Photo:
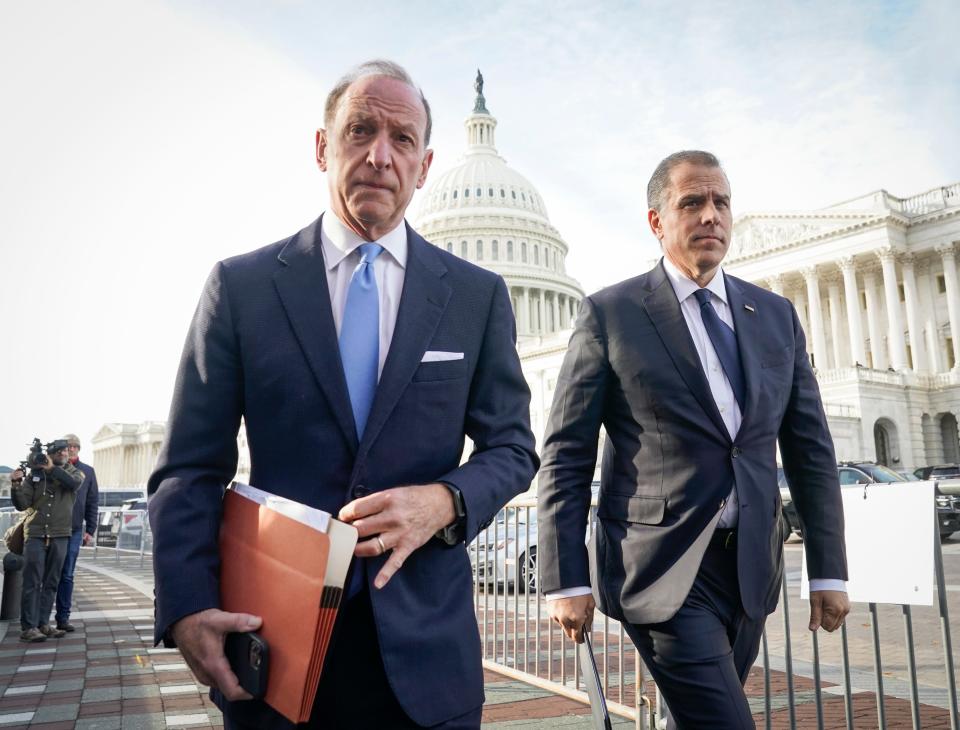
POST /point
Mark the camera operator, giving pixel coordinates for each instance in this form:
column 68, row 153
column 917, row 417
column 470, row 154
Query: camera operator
column 47, row 493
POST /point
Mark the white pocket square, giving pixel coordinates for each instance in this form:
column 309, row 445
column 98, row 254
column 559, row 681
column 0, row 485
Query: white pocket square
column 441, row 356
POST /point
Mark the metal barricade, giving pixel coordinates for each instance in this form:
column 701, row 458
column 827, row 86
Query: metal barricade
column 125, row 532
column 519, row 640
column 797, row 675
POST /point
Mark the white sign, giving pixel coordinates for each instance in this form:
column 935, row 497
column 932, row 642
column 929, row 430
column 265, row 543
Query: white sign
column 889, row 535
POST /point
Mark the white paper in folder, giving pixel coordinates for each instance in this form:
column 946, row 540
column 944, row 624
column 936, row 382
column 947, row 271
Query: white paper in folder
column 889, row 535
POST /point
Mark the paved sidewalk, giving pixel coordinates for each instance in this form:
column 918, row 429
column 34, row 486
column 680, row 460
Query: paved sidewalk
column 108, row 676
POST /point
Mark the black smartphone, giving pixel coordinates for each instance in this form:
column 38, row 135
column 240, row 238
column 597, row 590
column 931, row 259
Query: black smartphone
column 249, row 658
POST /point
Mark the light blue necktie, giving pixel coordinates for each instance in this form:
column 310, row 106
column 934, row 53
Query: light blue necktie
column 360, row 336
column 724, row 341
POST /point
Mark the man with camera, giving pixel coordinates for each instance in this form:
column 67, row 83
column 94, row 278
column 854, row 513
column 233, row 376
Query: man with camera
column 47, row 493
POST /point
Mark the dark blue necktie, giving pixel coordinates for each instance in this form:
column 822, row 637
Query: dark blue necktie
column 724, row 341
column 360, row 336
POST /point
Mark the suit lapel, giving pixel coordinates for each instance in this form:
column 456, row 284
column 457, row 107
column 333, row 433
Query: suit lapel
column 664, row 310
column 422, row 303
column 744, row 311
column 302, row 286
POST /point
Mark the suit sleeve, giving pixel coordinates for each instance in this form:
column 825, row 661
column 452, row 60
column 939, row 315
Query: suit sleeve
column 198, row 459
column 570, row 455
column 810, row 465
column 91, row 508
column 497, row 420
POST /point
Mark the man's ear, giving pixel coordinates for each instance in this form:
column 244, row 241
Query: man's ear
column 424, row 168
column 653, row 218
column 322, row 149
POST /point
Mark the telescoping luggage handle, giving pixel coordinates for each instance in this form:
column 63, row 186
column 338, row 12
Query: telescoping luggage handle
column 591, row 680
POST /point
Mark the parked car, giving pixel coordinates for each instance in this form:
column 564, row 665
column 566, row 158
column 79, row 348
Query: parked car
column 866, row 472
column 789, row 519
column 130, row 512
column 504, row 548
column 116, row 496
column 507, row 550
column 941, row 471
column 133, row 514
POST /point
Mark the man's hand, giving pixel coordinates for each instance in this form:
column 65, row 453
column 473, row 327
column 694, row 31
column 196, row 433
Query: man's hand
column 87, row 538
column 200, row 637
column 403, row 518
column 828, row 609
column 573, row 614
column 16, row 475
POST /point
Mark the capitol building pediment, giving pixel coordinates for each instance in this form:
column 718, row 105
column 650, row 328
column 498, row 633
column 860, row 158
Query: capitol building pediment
column 764, row 233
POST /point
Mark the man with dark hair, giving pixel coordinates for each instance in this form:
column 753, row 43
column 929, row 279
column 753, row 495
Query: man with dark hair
column 47, row 493
column 696, row 376
column 85, row 509
column 359, row 357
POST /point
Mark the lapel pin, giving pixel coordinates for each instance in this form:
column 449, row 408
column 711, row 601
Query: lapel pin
column 748, row 308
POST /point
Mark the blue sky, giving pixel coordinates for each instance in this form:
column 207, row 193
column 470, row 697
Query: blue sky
column 141, row 141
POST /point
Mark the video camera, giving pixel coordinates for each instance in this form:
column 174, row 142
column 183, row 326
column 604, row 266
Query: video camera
column 37, row 458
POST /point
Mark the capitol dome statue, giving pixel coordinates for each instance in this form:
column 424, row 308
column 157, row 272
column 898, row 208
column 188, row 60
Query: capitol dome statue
column 491, row 215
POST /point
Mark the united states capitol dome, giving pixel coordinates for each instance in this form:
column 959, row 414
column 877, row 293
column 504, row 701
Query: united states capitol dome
column 488, row 213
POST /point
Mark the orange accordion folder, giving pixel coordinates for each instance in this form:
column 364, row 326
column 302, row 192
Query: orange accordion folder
column 287, row 563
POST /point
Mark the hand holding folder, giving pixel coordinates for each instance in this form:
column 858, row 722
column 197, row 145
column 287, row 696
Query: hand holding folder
column 287, row 563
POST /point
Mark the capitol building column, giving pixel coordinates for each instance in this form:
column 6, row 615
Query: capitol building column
column 840, row 356
column 929, row 317
column 557, row 324
column 947, row 254
column 877, row 352
column 800, row 305
column 898, row 352
column 775, row 283
column 854, row 325
column 816, row 317
column 526, row 310
column 914, row 329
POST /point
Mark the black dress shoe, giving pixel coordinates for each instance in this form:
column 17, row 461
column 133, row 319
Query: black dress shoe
column 66, row 626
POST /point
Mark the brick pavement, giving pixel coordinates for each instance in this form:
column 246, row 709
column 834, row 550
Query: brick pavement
column 108, row 676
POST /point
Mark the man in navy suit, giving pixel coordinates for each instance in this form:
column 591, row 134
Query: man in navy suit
column 359, row 357
column 696, row 376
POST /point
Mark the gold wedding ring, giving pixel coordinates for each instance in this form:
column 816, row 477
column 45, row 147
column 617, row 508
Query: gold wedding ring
column 383, row 548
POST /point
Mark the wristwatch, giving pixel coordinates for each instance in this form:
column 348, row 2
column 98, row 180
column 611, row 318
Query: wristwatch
column 454, row 533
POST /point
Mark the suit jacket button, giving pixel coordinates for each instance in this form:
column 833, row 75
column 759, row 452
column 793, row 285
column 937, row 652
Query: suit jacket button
column 736, row 452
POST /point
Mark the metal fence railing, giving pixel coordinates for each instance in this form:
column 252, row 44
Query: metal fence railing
column 885, row 655
column 520, row 642
column 119, row 532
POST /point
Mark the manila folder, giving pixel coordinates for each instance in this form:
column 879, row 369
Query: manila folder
column 287, row 563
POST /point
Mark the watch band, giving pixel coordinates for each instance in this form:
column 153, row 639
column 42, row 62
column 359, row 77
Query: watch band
column 453, row 533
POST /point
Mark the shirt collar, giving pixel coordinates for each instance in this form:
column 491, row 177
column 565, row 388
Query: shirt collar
column 684, row 287
column 339, row 241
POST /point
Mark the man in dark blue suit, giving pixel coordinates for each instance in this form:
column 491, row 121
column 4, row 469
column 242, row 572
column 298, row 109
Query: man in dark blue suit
column 85, row 510
column 359, row 357
column 696, row 376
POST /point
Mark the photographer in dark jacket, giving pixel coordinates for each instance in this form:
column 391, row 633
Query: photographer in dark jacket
column 47, row 493
column 85, row 509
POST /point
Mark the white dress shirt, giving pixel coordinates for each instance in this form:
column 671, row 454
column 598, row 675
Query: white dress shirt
column 341, row 256
column 720, row 388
